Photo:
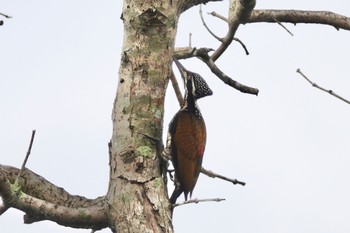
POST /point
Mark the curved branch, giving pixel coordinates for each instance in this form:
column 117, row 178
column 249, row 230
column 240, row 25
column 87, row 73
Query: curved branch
column 215, row 36
column 206, row 26
column 41, row 200
column 229, row 81
column 299, row 16
column 239, row 12
column 242, row 12
column 202, row 53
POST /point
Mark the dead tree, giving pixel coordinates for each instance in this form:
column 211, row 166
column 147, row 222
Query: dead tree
column 137, row 197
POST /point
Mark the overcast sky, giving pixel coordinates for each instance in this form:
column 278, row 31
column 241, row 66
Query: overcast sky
column 58, row 74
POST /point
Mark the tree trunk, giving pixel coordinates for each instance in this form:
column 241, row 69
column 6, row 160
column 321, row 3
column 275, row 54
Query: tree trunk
column 137, row 195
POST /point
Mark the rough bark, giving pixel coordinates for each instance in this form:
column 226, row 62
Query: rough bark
column 298, row 16
column 137, row 196
column 42, row 200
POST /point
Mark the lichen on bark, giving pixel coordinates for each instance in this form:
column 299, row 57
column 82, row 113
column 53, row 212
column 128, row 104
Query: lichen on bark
column 136, row 187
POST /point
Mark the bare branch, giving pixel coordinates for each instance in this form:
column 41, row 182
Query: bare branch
column 323, row 89
column 213, row 13
column 176, row 88
column 26, row 158
column 239, row 12
column 85, row 217
column 196, row 201
column 284, row 27
column 227, row 80
column 35, row 190
column 190, row 40
column 215, row 175
column 299, row 16
column 218, row 38
column 6, row 16
column 37, row 186
column 184, row 52
column 206, row 26
column 202, row 53
column 242, row 44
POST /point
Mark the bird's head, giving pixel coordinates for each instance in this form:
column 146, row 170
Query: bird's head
column 195, row 85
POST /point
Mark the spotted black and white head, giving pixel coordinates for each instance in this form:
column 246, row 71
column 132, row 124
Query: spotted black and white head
column 195, row 86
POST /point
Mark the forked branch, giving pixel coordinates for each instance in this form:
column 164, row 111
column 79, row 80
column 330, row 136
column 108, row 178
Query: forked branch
column 202, row 54
column 239, row 13
column 215, row 36
column 242, row 12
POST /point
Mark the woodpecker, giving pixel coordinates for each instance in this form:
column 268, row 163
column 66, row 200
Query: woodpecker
column 187, row 134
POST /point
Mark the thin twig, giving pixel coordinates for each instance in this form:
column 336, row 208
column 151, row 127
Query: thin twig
column 221, row 39
column 176, row 88
column 190, row 40
column 214, row 175
column 239, row 13
column 6, row 16
column 323, row 89
column 196, row 201
column 206, row 26
column 26, row 158
column 284, row 27
column 242, row 44
column 213, row 13
column 202, row 53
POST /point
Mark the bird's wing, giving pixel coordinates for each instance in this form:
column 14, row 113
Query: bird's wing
column 189, row 138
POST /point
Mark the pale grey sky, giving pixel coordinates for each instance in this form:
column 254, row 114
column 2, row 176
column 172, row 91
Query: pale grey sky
column 59, row 69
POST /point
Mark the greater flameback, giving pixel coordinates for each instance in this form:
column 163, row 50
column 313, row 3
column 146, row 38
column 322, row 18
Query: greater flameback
column 187, row 133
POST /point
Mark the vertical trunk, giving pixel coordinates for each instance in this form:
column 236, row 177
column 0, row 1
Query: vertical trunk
column 137, row 195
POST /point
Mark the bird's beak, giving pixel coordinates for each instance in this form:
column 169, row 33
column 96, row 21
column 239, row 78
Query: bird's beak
column 181, row 69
